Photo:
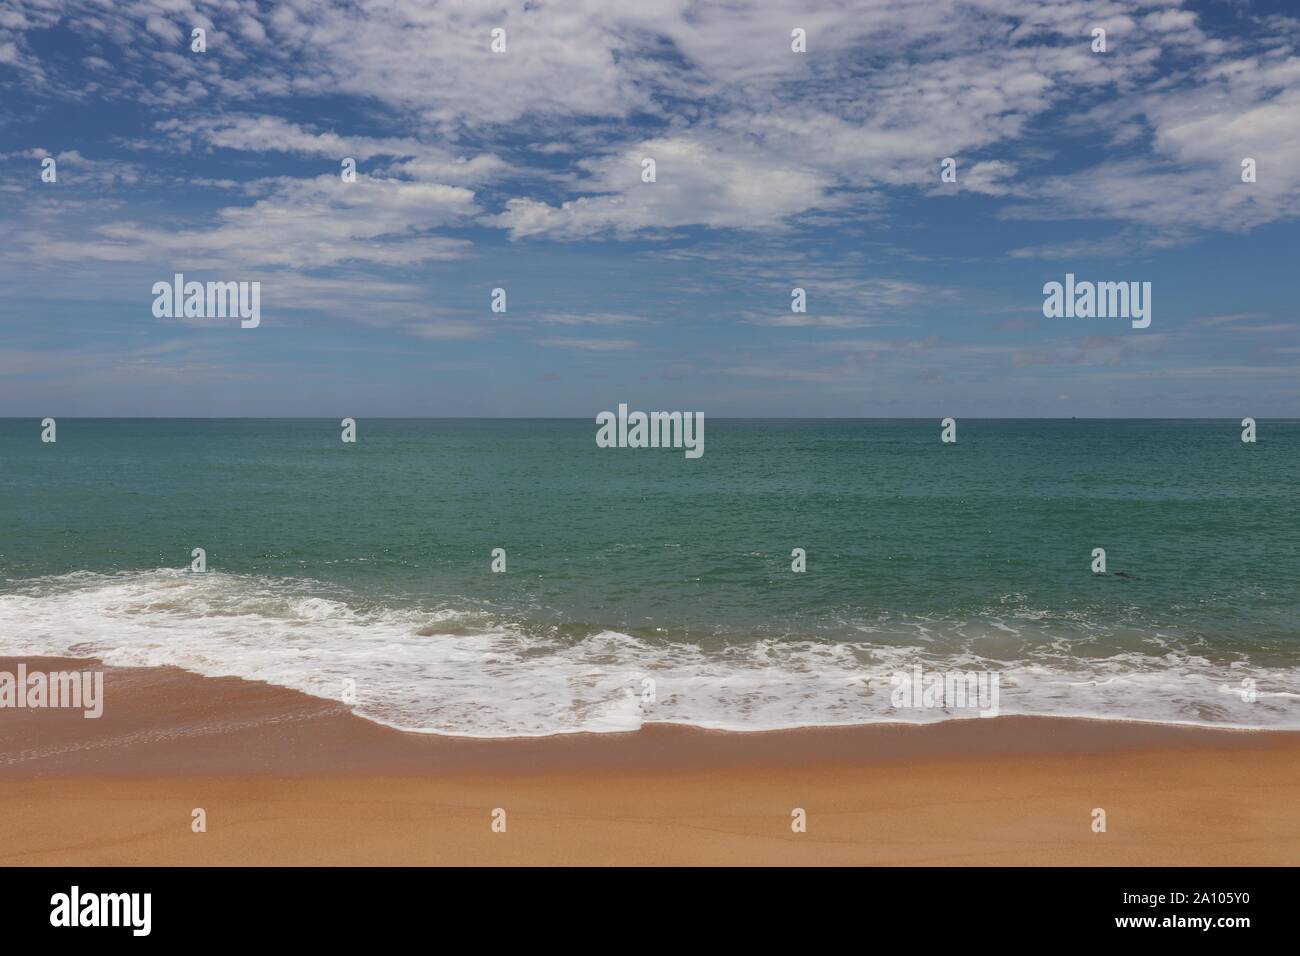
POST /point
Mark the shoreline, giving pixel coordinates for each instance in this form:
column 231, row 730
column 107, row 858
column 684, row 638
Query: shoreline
column 286, row 778
column 1137, row 721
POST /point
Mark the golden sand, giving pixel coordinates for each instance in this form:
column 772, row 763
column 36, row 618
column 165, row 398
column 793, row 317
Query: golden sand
column 283, row 778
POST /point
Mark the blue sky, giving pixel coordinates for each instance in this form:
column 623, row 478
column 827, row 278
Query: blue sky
column 775, row 169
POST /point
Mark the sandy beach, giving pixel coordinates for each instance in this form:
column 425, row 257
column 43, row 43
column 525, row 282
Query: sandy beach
column 284, row 778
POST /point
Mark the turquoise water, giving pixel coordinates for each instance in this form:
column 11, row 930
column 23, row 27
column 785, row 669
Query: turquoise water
column 370, row 562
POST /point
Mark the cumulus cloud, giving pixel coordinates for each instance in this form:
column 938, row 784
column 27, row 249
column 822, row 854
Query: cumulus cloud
column 546, row 140
column 696, row 183
column 261, row 133
column 299, row 224
column 1191, row 178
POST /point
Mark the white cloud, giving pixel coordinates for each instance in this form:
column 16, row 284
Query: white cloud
column 590, row 345
column 746, row 134
column 260, row 133
column 1191, row 179
column 593, row 318
column 696, row 184
column 300, row 224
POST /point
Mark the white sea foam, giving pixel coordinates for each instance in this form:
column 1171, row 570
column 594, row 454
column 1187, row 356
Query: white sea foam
column 461, row 672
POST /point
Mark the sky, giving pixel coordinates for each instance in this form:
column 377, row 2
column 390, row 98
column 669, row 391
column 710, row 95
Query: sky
column 522, row 169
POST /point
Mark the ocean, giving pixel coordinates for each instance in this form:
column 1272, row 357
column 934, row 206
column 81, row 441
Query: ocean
column 643, row 586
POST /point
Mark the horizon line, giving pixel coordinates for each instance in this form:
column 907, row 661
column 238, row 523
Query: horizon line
column 574, row 418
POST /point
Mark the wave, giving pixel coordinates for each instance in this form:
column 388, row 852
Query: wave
column 467, row 672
